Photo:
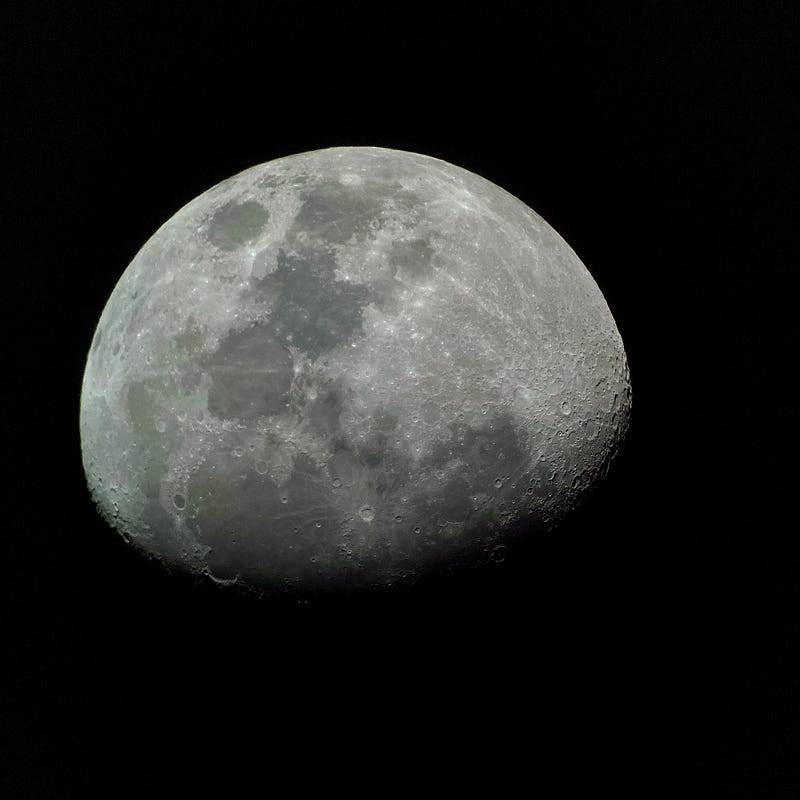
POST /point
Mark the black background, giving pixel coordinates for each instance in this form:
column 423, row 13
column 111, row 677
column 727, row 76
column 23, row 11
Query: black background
column 650, row 649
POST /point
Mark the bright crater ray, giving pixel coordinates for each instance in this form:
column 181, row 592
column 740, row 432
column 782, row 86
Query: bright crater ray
column 347, row 368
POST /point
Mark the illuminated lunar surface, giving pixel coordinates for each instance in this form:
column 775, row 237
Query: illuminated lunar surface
column 347, row 368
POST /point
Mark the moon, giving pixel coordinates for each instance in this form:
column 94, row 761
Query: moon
column 345, row 369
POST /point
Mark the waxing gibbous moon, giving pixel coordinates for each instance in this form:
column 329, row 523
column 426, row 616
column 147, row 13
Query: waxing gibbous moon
column 348, row 368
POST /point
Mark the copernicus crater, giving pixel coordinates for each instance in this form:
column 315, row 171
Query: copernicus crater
column 349, row 368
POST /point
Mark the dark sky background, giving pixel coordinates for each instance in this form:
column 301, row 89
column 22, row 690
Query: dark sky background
column 650, row 649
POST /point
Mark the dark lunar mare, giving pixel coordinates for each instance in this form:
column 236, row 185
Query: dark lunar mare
column 310, row 309
column 251, row 373
column 298, row 534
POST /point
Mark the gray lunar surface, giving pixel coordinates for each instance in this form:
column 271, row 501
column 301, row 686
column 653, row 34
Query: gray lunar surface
column 349, row 368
